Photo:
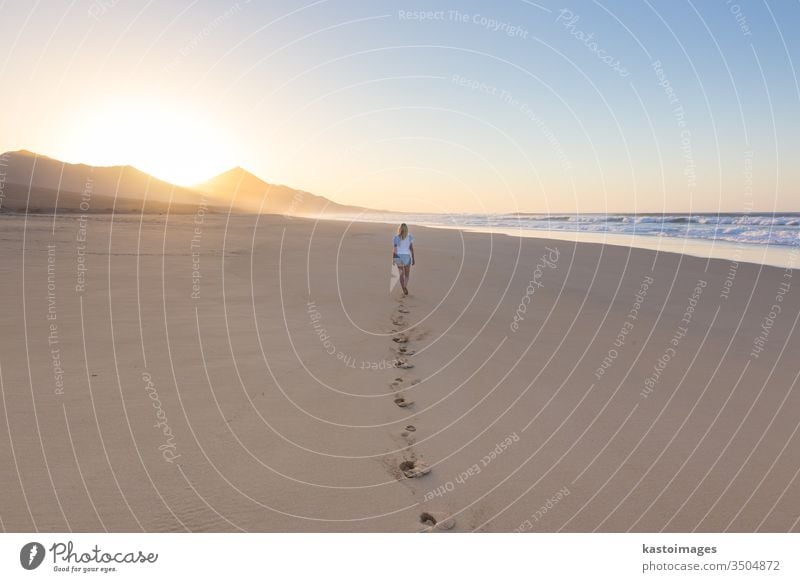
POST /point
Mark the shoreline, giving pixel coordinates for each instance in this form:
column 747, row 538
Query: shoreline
column 781, row 256
column 771, row 255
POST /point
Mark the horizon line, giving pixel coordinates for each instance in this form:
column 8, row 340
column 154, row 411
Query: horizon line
column 194, row 185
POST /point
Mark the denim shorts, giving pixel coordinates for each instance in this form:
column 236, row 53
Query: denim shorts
column 402, row 260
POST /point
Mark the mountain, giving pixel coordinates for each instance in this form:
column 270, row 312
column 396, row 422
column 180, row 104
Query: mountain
column 36, row 183
column 73, row 183
column 252, row 194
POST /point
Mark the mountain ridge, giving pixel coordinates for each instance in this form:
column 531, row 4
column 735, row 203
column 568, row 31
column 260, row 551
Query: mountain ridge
column 25, row 174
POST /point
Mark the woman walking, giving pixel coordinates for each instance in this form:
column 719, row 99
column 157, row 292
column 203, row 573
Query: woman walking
column 403, row 254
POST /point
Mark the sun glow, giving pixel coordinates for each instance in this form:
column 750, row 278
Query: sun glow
column 174, row 144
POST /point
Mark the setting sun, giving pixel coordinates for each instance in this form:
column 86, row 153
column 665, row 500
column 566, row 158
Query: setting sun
column 172, row 143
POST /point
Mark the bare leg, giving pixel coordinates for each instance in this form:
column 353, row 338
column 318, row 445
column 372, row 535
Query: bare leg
column 406, row 277
column 402, row 271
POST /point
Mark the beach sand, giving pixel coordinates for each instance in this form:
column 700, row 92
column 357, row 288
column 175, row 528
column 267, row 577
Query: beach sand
column 201, row 372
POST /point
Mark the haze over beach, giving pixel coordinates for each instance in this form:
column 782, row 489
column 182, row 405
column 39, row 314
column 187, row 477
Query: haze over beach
column 207, row 328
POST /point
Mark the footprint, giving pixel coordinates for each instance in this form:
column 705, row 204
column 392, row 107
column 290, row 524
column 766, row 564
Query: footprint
column 402, row 402
column 411, row 428
column 415, row 382
column 395, row 384
column 403, row 364
column 414, row 469
column 436, row 520
column 403, row 310
column 427, row 519
column 400, row 339
column 398, row 379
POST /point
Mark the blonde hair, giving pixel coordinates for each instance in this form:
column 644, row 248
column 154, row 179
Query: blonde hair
column 403, row 231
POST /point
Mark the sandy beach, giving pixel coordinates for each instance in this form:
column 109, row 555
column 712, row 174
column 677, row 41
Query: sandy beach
column 205, row 372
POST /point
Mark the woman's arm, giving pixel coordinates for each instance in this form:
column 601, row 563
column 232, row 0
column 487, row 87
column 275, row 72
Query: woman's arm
column 411, row 246
column 394, row 251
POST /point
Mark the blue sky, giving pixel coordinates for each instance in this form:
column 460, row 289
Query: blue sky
column 478, row 106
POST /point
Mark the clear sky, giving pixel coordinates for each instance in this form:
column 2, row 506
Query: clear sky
column 455, row 106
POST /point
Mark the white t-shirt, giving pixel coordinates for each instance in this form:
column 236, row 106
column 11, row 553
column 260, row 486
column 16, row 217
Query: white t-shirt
column 403, row 245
